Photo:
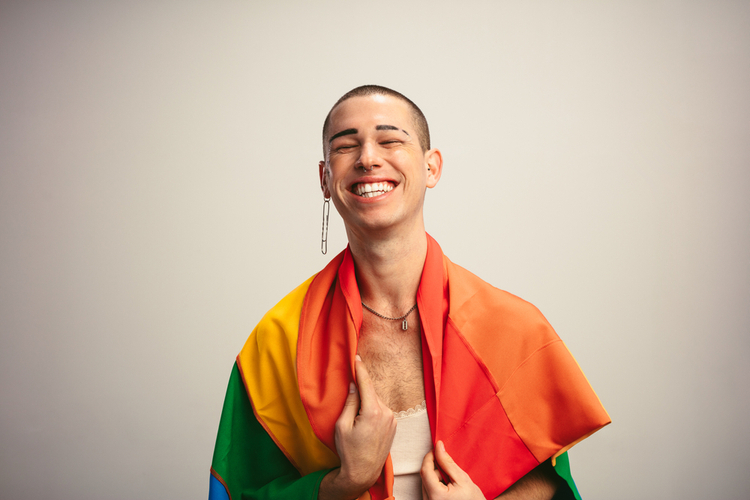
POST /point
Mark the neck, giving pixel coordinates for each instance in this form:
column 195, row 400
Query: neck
column 389, row 269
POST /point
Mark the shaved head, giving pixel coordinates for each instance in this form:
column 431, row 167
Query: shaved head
column 420, row 122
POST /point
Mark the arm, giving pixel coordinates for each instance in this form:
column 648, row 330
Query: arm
column 364, row 434
column 539, row 484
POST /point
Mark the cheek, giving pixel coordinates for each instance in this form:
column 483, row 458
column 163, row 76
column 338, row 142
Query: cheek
column 338, row 204
column 337, row 170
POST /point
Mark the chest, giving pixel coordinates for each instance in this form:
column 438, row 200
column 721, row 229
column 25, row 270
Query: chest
column 393, row 358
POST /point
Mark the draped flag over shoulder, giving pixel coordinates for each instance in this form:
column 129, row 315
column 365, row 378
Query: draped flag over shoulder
column 502, row 391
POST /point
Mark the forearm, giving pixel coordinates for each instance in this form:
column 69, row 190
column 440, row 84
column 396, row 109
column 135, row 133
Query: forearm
column 335, row 486
column 539, row 484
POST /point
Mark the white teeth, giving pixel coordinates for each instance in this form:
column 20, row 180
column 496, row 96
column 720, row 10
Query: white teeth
column 372, row 189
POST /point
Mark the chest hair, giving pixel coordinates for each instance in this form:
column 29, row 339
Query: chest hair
column 393, row 358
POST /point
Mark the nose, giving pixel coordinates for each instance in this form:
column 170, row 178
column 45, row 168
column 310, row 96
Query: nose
column 368, row 157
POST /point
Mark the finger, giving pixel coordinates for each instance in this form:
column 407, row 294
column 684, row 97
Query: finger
column 369, row 397
column 425, row 494
column 430, row 475
column 351, row 406
column 455, row 473
column 428, row 462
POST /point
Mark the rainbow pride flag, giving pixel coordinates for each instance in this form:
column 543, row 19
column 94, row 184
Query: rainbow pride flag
column 502, row 391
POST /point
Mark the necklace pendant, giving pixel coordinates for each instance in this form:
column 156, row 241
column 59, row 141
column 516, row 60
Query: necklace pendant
column 405, row 325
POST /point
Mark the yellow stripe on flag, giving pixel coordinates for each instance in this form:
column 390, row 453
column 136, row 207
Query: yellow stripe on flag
column 268, row 363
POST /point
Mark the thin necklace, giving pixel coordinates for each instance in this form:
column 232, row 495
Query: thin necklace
column 404, row 323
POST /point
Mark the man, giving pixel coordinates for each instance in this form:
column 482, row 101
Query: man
column 394, row 373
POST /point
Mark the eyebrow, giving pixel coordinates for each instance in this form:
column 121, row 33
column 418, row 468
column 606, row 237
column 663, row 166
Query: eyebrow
column 351, row 131
column 348, row 131
column 391, row 127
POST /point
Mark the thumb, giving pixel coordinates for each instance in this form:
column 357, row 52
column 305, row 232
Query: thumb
column 455, row 473
column 351, row 404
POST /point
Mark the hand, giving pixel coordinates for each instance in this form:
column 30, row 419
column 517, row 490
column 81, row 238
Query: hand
column 460, row 487
column 539, row 484
column 364, row 434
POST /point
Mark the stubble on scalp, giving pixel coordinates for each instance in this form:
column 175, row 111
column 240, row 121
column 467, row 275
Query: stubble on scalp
column 420, row 122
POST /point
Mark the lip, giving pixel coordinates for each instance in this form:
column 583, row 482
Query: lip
column 370, row 179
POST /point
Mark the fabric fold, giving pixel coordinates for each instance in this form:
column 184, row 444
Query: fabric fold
column 501, row 389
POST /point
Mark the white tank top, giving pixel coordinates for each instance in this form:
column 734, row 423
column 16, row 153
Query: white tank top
column 411, row 443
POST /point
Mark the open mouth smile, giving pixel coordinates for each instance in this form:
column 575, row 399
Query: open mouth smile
column 369, row 190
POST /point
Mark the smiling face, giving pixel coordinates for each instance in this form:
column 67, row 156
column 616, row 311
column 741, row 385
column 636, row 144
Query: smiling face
column 375, row 170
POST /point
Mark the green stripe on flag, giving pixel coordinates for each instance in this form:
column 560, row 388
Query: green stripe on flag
column 562, row 467
column 247, row 459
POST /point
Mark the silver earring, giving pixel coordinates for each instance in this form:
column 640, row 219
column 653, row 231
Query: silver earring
column 324, row 232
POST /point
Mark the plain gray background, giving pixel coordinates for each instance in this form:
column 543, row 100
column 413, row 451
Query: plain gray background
column 159, row 192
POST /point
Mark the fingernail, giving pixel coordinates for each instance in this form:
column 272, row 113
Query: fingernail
column 359, row 358
column 441, row 445
column 352, row 389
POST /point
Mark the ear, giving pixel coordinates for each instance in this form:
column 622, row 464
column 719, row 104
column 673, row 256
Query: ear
column 323, row 173
column 434, row 160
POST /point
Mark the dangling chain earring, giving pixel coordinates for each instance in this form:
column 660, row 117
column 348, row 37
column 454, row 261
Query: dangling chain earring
column 324, row 235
